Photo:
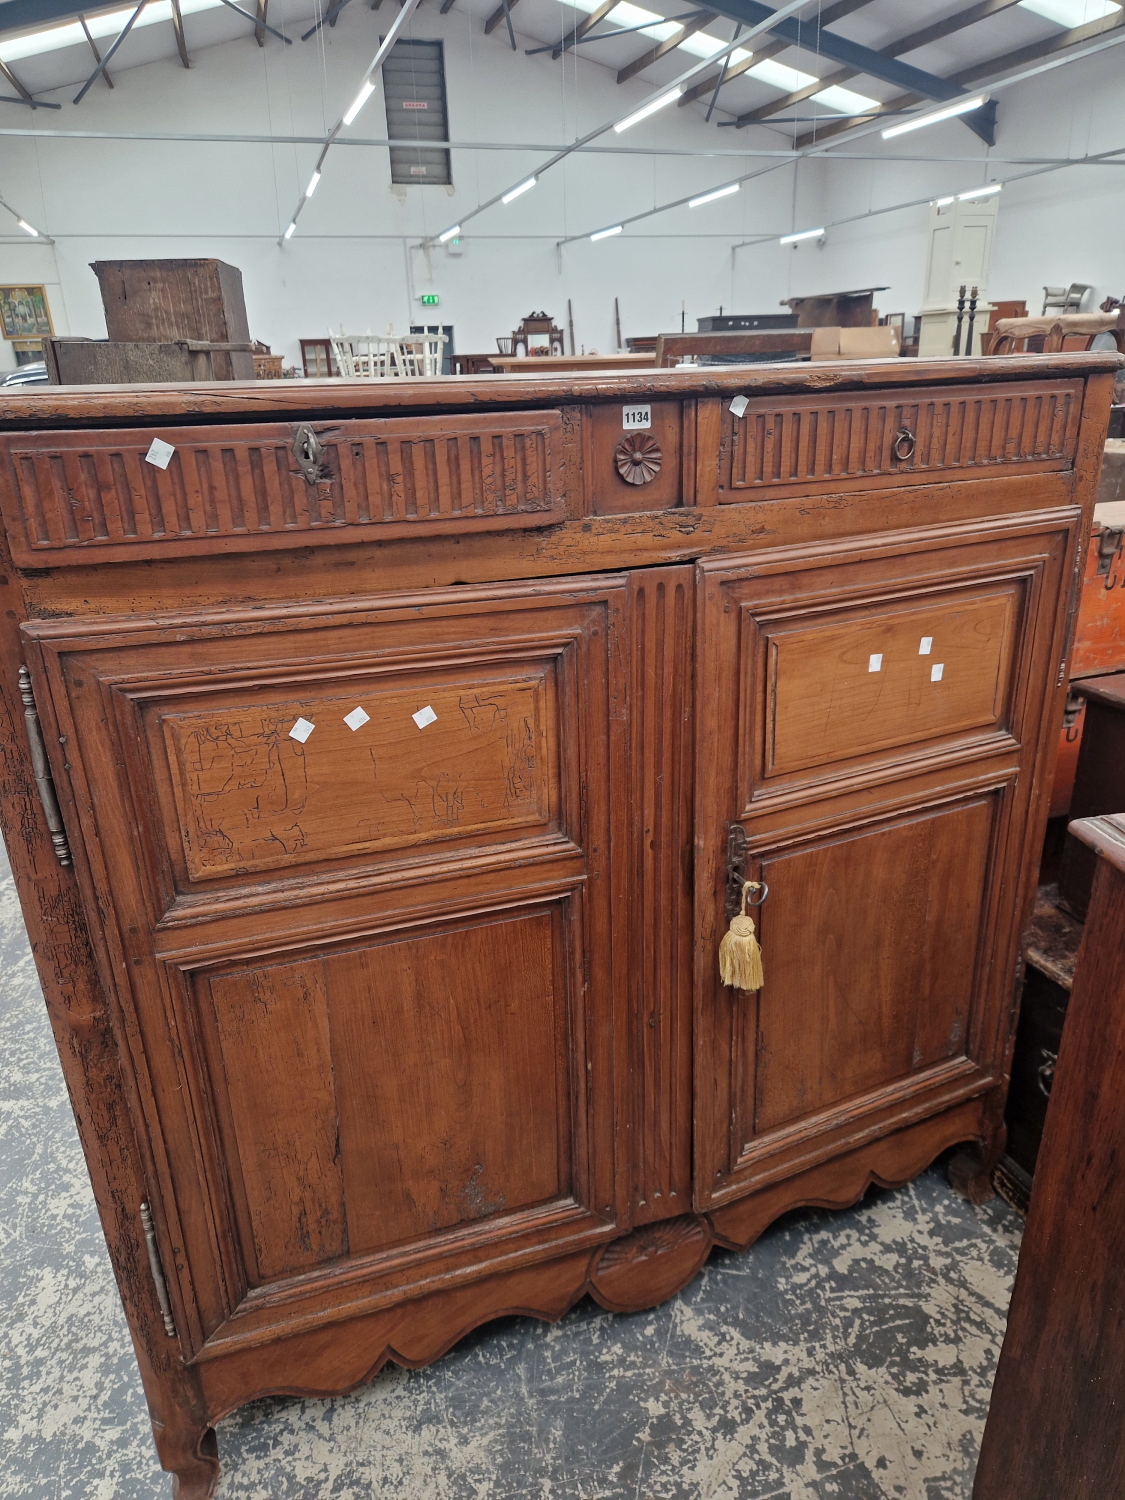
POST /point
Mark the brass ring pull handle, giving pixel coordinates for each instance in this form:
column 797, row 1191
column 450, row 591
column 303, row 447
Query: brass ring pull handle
column 308, row 452
column 763, row 890
column 904, row 444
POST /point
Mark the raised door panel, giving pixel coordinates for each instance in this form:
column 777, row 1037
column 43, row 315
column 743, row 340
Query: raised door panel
column 374, row 1096
column 873, row 937
column 887, row 807
column 370, row 979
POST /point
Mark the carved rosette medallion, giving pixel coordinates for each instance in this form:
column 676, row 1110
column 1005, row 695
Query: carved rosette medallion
column 638, row 458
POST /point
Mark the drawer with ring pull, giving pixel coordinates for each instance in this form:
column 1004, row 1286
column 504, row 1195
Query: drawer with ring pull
column 815, row 444
column 183, row 490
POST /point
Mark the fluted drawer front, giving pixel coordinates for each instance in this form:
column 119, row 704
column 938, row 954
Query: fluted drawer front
column 816, row 442
column 73, row 494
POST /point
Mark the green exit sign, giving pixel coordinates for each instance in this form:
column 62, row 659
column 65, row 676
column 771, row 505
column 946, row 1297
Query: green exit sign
column 429, row 299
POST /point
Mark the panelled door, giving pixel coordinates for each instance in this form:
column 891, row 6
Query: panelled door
column 349, row 867
column 870, row 734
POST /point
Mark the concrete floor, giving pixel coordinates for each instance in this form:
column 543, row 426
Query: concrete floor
column 846, row 1356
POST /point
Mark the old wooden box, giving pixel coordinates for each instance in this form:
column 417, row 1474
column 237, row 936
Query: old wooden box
column 156, row 301
column 380, row 1032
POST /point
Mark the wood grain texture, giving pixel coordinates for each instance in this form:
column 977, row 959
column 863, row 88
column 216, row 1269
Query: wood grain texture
column 662, row 608
column 71, row 493
column 811, row 442
column 1054, row 1425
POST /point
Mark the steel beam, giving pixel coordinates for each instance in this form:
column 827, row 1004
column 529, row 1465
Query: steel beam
column 911, row 43
column 841, row 49
column 498, row 15
column 327, row 19
column 178, row 28
column 968, row 76
column 654, row 54
column 101, row 67
column 586, row 24
column 250, row 16
column 829, row 14
column 94, row 50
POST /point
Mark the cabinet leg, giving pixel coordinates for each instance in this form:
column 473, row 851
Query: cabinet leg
column 192, row 1457
column 971, row 1167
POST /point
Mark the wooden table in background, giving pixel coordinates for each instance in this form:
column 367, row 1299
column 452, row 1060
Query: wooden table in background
column 555, row 364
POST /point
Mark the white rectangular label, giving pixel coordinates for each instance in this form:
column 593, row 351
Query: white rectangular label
column 301, row 730
column 424, row 716
column 936, row 670
column 925, row 644
column 739, row 405
column 159, row 453
column 875, row 662
column 633, row 417
column 356, row 719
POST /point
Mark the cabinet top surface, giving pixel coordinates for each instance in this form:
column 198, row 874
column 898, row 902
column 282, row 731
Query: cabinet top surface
column 234, row 400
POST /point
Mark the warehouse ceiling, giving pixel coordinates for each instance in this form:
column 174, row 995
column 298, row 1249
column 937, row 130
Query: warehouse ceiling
column 833, row 64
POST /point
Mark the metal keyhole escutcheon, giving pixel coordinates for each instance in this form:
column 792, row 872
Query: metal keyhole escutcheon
column 308, row 452
column 638, row 458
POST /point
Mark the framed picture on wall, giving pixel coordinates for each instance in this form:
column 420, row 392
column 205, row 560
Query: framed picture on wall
column 24, row 313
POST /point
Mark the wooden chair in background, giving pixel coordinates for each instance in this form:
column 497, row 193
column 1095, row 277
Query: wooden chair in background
column 1061, row 331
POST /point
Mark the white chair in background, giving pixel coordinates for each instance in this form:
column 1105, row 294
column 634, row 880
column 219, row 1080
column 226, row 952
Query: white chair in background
column 421, row 353
column 365, row 356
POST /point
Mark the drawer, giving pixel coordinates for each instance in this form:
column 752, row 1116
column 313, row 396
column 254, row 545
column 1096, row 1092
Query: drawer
column 814, row 444
column 69, row 496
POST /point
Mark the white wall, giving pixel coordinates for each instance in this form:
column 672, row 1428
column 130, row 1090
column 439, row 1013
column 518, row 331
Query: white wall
column 348, row 263
column 1052, row 229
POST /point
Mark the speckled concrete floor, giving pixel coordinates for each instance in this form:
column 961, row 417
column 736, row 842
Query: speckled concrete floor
column 846, row 1356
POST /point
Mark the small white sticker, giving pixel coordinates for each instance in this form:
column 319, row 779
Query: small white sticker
column 633, row 417
column 936, row 670
column 424, row 716
column 301, row 730
column 739, row 405
column 356, row 719
column 924, row 645
column 875, row 662
column 159, row 453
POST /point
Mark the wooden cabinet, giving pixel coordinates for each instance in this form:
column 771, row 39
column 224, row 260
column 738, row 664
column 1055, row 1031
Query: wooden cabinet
column 407, row 751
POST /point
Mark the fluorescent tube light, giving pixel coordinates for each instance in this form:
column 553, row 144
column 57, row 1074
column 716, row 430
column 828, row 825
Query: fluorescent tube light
column 805, row 234
column 723, row 192
column 524, row 187
column 943, row 202
column 449, row 234
column 289, row 231
column 950, row 112
column 313, row 180
column 649, row 109
column 604, row 234
column 27, row 229
column 993, row 187
column 359, row 101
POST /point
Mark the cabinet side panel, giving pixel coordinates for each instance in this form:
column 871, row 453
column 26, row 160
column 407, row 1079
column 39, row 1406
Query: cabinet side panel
column 661, row 758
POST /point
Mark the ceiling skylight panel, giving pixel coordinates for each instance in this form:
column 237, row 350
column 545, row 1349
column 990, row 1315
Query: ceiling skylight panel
column 847, row 101
column 108, row 24
column 1071, row 13
column 778, row 76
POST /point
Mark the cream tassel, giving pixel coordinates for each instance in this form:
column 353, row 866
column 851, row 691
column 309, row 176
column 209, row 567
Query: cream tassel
column 740, row 957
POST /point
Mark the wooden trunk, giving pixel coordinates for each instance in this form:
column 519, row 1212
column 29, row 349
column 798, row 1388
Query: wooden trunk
column 413, row 1019
column 153, row 301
